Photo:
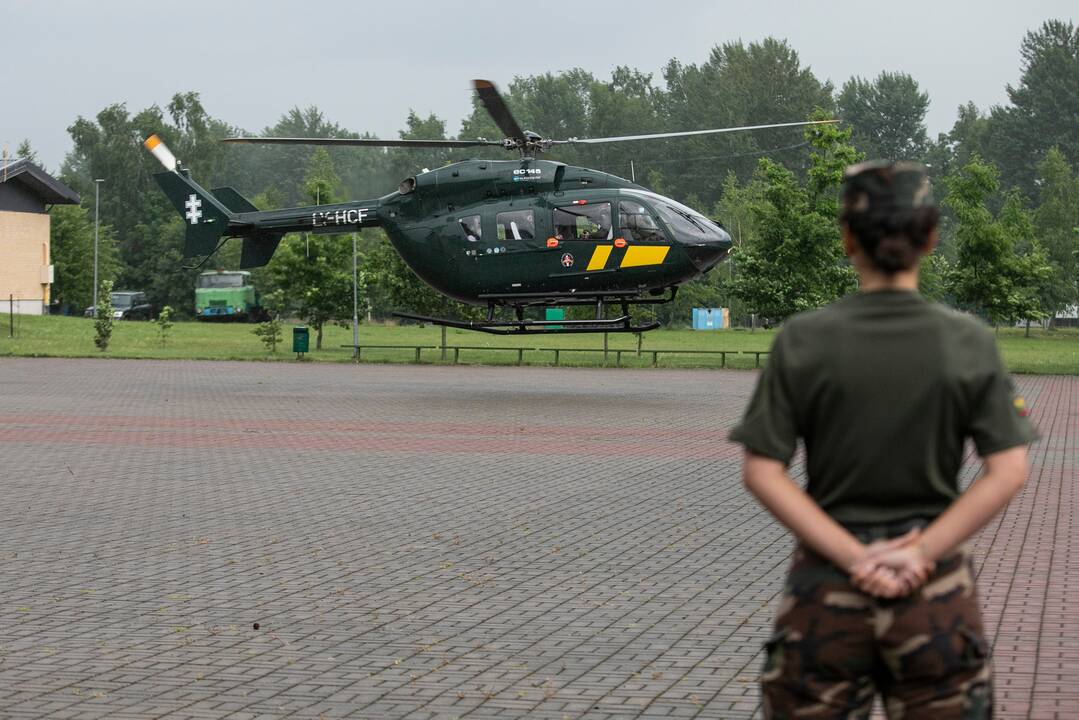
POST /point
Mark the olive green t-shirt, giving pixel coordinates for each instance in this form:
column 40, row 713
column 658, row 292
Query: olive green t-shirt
column 883, row 388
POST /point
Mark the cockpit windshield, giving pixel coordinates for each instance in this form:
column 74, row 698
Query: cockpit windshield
column 684, row 220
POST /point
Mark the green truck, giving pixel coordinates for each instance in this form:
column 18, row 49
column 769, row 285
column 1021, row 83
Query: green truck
column 227, row 295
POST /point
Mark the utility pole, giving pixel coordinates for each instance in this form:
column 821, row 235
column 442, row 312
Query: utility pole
column 355, row 304
column 97, row 205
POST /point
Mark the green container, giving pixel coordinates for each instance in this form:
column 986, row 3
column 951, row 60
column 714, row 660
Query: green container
column 555, row 314
column 300, row 339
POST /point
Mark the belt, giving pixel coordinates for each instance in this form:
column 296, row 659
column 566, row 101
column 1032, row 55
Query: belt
column 868, row 532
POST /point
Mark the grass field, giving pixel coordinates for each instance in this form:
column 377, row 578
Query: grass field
column 1051, row 353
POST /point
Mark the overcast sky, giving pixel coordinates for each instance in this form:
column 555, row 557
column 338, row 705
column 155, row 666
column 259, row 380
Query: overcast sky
column 366, row 64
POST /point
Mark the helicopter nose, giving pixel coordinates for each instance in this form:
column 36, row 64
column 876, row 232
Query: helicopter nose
column 706, row 254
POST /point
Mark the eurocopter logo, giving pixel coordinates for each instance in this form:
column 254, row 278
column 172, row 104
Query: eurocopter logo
column 193, row 206
column 524, row 174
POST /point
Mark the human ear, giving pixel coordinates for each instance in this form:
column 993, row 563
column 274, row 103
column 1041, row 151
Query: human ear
column 850, row 245
column 931, row 243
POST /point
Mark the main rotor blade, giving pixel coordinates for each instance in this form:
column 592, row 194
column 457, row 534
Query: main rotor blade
column 655, row 136
column 363, row 142
column 496, row 107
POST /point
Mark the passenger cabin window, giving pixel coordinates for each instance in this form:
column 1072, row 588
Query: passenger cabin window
column 636, row 223
column 584, row 222
column 470, row 226
column 516, row 225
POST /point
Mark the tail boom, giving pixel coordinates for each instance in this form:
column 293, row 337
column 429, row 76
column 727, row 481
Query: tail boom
column 222, row 213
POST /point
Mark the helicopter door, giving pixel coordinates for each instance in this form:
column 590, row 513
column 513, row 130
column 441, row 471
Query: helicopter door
column 585, row 232
column 496, row 246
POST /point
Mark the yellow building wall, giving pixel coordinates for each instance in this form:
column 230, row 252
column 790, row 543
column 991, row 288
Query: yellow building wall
column 24, row 259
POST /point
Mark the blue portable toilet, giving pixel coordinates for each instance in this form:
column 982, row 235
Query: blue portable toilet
column 708, row 319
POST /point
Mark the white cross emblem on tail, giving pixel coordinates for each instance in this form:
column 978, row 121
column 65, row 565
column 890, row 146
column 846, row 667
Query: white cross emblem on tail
column 193, row 212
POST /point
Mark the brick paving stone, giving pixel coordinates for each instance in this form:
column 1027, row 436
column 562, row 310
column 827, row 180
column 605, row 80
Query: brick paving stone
column 434, row 542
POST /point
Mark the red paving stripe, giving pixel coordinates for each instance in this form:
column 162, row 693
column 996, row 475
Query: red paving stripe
column 408, row 427
column 506, row 443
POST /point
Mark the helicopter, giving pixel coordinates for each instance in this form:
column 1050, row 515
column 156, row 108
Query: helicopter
column 505, row 234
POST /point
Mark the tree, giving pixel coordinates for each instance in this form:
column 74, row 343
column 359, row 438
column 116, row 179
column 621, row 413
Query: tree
column 952, row 150
column 321, row 185
column 1056, row 223
column 279, row 170
column 149, row 234
column 405, row 162
column 314, row 271
column 931, row 276
column 989, row 276
column 887, row 116
column 1037, row 293
column 103, row 317
column 71, row 243
column 795, row 261
column 763, row 82
column 269, row 331
column 25, row 152
column 1044, row 105
column 164, row 324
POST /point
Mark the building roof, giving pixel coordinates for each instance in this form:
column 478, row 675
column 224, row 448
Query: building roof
column 49, row 189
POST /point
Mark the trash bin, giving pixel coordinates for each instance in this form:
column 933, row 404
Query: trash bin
column 300, row 339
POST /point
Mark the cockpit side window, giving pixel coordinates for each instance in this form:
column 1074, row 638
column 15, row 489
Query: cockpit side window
column 471, row 228
column 636, row 223
column 516, row 225
column 584, row 222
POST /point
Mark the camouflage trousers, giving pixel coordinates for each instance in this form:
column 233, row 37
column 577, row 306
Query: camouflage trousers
column 835, row 648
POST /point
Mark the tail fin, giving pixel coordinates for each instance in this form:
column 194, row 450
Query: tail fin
column 206, row 218
column 236, row 202
column 258, row 249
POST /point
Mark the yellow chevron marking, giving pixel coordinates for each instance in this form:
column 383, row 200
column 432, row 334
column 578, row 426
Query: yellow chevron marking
column 599, row 257
column 637, row 255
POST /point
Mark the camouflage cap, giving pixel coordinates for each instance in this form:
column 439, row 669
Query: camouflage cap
column 886, row 186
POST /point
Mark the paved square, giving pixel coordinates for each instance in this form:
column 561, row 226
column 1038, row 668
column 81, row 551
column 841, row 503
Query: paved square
column 433, row 542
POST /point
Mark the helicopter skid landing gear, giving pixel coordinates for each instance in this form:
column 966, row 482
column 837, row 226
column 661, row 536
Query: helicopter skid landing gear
column 519, row 325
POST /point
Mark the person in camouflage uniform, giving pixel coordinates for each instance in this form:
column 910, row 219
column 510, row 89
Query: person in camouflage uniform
column 883, row 388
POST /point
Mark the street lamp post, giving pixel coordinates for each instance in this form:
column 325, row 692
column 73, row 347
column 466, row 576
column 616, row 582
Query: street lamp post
column 97, row 205
column 355, row 304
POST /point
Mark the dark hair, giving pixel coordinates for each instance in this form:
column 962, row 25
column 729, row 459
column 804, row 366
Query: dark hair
column 893, row 239
column 890, row 211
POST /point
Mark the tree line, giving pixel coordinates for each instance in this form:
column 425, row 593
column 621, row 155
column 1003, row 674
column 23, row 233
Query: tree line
column 1005, row 177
